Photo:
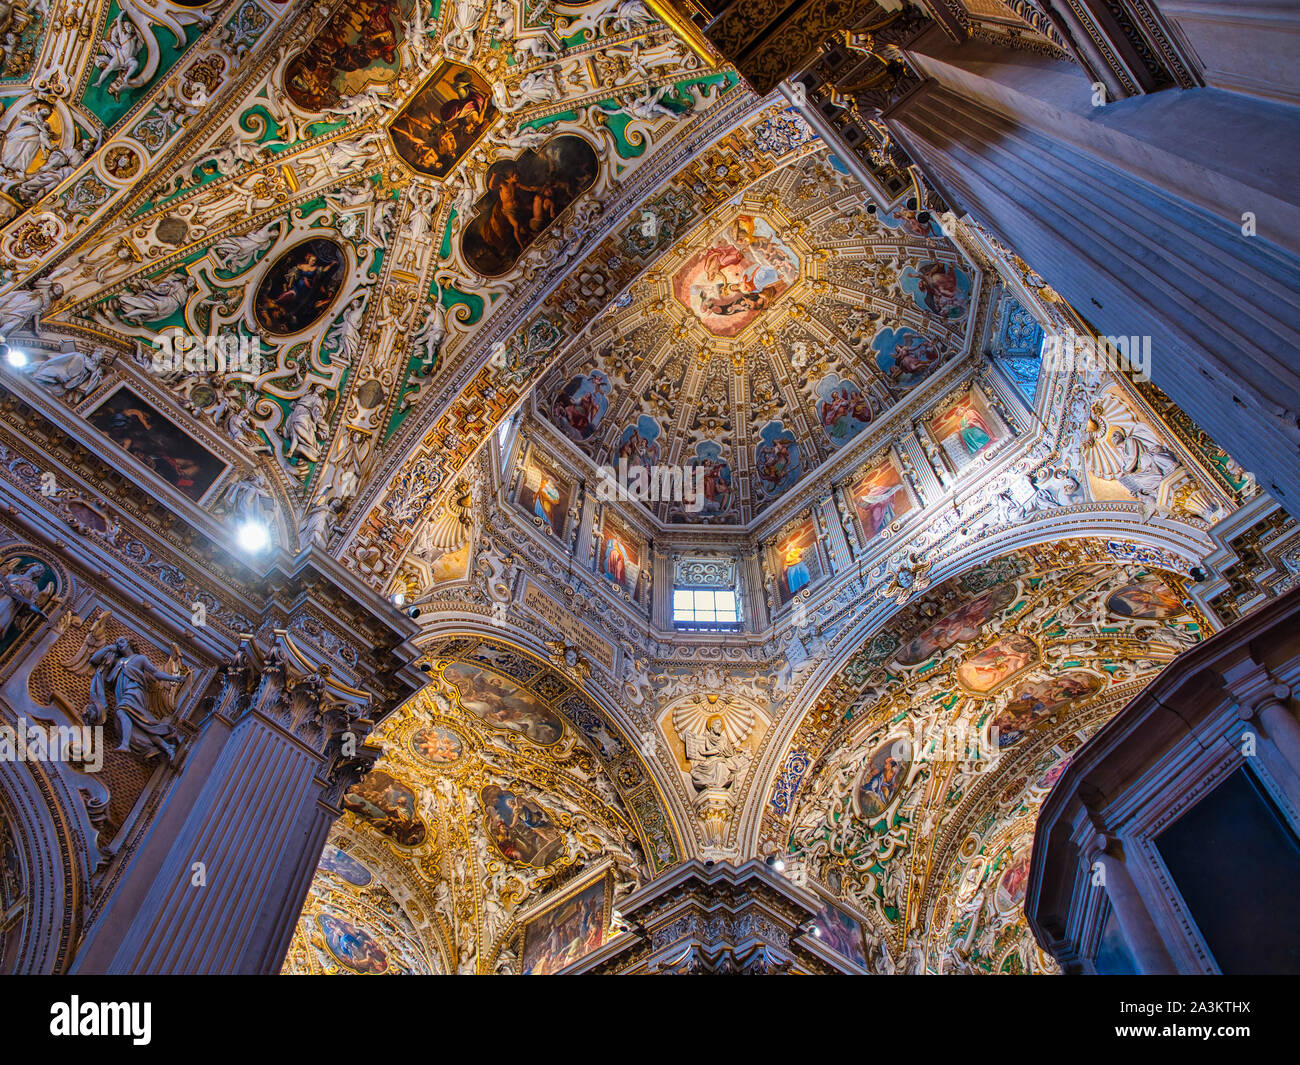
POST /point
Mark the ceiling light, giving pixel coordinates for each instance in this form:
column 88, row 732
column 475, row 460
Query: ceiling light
column 16, row 358
column 253, row 536
column 399, row 599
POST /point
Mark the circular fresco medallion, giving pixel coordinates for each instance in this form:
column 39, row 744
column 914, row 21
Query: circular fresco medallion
column 300, row 286
column 437, row 745
column 370, row 394
column 173, row 230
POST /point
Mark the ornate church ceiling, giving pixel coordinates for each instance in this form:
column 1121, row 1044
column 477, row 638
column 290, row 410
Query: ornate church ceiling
column 922, row 766
column 337, row 203
column 765, row 340
column 295, row 262
column 501, row 786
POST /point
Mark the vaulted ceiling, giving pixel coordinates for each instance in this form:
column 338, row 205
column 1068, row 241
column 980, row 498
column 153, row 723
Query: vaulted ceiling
column 947, row 729
column 765, row 340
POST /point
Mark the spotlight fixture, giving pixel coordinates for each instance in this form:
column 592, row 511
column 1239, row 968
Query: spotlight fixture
column 923, row 217
column 872, row 208
column 413, row 612
column 399, row 599
column 253, row 536
column 427, row 667
column 773, row 862
column 15, row 358
column 1198, row 575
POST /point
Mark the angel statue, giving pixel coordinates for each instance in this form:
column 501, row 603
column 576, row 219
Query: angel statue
column 143, row 709
column 715, row 762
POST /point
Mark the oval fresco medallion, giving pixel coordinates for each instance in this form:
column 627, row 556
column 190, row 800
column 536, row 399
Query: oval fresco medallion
column 343, row 865
column 300, row 286
column 353, row 947
column 882, row 777
column 1010, row 892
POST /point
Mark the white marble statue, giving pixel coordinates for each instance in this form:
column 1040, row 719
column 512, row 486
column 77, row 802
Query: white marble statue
column 153, row 301
column 119, row 55
column 29, row 135
column 431, row 335
column 21, row 306
column 237, row 251
column 249, row 499
column 58, row 165
column 649, row 107
column 19, row 590
column 715, row 763
column 1147, row 462
column 344, row 337
column 319, row 523
column 73, row 374
column 307, row 424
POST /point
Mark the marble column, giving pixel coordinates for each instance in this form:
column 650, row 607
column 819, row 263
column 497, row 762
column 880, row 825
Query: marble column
column 754, row 590
column 1169, row 215
column 218, row 881
column 1265, row 704
column 1281, row 724
column 1143, row 939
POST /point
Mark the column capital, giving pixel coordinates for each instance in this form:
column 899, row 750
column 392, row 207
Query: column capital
column 1253, row 686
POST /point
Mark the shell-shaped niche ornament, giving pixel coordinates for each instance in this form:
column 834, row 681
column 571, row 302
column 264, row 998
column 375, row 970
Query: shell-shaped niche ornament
column 695, row 717
column 1102, row 453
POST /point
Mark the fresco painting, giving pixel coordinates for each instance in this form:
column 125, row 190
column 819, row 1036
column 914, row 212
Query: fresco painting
column 546, row 496
column 298, row 289
column 136, row 426
column 798, row 564
column 567, row 931
column 880, row 497
column 502, row 703
column 842, row 409
column 443, row 120
column 940, row 288
column 736, row 276
column 524, row 198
